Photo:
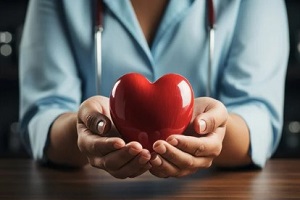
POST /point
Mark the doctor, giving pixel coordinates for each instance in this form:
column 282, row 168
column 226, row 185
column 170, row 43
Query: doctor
column 239, row 124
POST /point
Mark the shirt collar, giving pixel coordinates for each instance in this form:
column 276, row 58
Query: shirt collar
column 173, row 14
column 124, row 12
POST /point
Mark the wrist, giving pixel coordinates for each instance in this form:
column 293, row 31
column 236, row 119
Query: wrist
column 62, row 148
column 236, row 143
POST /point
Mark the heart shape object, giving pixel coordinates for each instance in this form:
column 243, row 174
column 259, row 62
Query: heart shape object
column 146, row 112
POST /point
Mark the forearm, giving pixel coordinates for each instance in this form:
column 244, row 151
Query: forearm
column 63, row 149
column 235, row 151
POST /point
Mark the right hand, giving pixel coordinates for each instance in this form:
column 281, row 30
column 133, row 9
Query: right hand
column 103, row 146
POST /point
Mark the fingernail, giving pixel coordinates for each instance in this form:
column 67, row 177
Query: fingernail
column 202, row 125
column 160, row 149
column 118, row 145
column 144, row 159
column 133, row 151
column 156, row 161
column 172, row 141
column 101, row 126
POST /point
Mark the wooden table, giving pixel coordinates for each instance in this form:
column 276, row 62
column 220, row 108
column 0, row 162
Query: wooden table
column 24, row 179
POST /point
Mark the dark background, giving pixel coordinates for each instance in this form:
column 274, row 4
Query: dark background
column 12, row 15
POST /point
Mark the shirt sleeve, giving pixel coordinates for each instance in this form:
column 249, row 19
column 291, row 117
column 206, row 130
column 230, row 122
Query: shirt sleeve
column 252, row 84
column 49, row 83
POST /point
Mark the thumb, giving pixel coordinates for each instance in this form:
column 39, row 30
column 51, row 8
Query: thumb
column 96, row 122
column 208, row 121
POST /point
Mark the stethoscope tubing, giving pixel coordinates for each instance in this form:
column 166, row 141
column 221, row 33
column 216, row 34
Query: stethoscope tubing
column 211, row 40
column 98, row 40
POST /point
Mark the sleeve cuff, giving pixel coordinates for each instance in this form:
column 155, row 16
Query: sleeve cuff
column 261, row 133
column 38, row 130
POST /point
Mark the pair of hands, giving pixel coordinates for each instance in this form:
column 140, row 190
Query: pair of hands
column 178, row 156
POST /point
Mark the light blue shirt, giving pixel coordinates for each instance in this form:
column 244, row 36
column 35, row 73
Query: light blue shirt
column 57, row 62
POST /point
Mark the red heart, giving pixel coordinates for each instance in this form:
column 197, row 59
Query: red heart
column 146, row 112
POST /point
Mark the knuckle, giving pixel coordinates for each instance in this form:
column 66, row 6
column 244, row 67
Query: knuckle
column 199, row 150
column 189, row 163
column 93, row 147
column 221, row 105
column 96, row 162
column 217, row 151
column 92, row 163
column 208, row 164
column 91, row 121
column 81, row 145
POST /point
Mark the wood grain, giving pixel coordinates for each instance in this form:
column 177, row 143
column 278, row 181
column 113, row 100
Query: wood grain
column 24, row 179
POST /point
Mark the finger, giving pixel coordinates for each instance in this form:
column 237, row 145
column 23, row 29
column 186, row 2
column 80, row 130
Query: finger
column 91, row 115
column 182, row 159
column 208, row 146
column 174, row 162
column 96, row 145
column 137, row 166
column 214, row 116
column 95, row 121
column 141, row 171
column 162, row 168
column 117, row 159
column 114, row 160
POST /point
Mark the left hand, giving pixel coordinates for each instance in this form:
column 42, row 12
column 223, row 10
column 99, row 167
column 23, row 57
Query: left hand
column 181, row 155
column 102, row 145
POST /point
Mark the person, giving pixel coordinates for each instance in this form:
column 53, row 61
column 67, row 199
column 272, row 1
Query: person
column 239, row 124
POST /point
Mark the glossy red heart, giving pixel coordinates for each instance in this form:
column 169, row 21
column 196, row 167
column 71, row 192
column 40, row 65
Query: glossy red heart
column 146, row 112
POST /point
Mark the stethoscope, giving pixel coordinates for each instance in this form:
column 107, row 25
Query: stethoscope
column 98, row 47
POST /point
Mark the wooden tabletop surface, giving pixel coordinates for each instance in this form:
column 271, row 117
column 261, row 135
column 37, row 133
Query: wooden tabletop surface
column 24, row 179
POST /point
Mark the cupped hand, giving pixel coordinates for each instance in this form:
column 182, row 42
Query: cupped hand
column 103, row 146
column 181, row 155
